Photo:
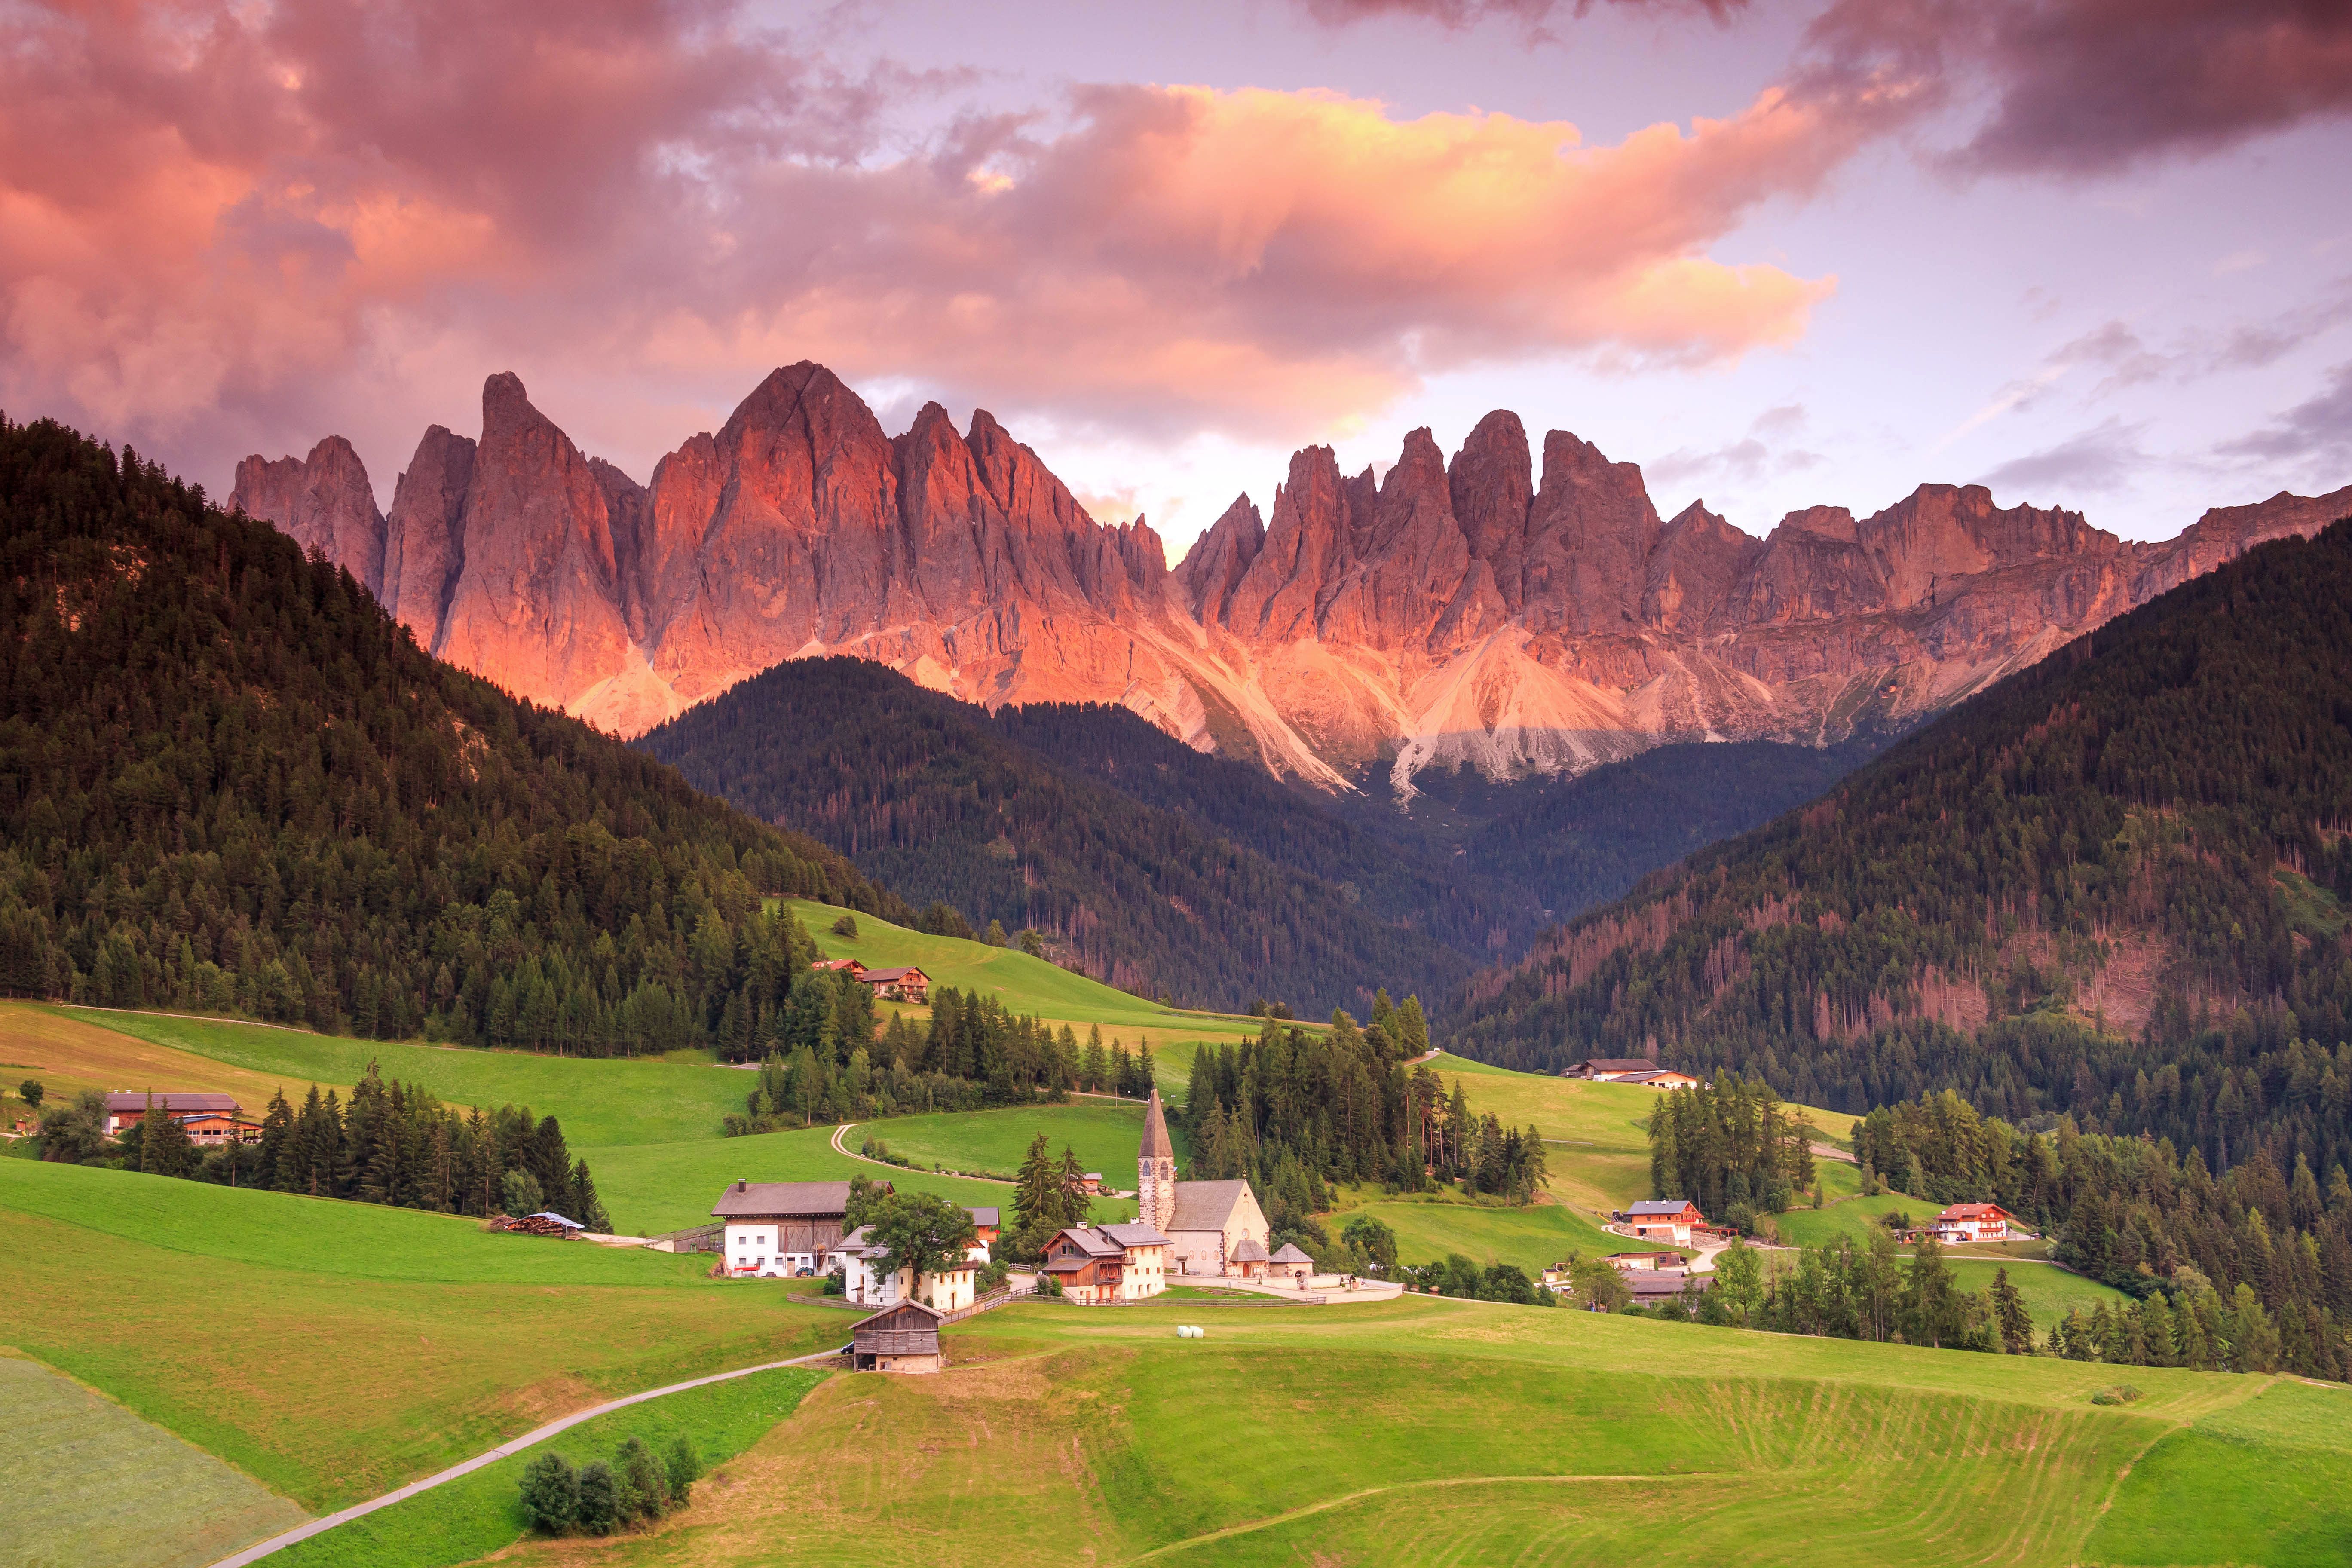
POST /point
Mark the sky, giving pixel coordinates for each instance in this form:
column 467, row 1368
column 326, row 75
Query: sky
column 2094, row 254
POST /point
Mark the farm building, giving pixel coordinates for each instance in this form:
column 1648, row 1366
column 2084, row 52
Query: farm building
column 1651, row 1260
column 780, row 1228
column 1206, row 1223
column 867, row 1278
column 1608, row 1069
column 1651, row 1287
column 1972, row 1221
column 1091, row 1184
column 903, row 985
column 904, row 1338
column 1669, row 1220
column 856, row 970
column 986, row 1223
column 1660, row 1077
column 126, row 1107
column 1104, row 1263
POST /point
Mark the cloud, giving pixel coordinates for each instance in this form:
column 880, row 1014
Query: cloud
column 218, row 224
column 2103, row 459
column 1459, row 14
column 2093, row 87
column 2318, row 429
column 1756, row 456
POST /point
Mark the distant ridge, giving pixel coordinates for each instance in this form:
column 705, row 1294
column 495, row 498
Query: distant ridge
column 1479, row 611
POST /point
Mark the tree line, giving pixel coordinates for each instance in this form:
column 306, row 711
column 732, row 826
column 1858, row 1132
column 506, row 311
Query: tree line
column 1732, row 1148
column 2171, row 791
column 230, row 783
column 389, row 1144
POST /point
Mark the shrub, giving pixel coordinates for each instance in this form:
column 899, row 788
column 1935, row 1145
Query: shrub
column 847, row 926
column 551, row 1494
column 685, row 1470
column 2118, row 1394
column 600, row 1499
column 642, row 1482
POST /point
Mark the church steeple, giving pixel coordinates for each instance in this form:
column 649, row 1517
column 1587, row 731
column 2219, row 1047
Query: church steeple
column 1155, row 1169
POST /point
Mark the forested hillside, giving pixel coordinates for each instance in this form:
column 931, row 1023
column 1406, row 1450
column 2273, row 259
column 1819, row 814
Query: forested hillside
column 1210, row 883
column 2113, row 885
column 230, row 782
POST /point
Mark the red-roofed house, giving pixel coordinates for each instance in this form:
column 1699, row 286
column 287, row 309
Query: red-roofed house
column 1664, row 1219
column 127, row 1106
column 1972, row 1221
column 906, row 985
column 856, row 970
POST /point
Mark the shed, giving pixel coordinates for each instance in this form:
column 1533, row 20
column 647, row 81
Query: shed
column 903, row 1339
column 1289, row 1263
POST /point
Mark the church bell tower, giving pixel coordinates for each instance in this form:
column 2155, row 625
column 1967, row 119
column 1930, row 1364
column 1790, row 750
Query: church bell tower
column 1155, row 1170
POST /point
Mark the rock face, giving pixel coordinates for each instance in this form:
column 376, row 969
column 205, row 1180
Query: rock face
column 1477, row 612
column 323, row 501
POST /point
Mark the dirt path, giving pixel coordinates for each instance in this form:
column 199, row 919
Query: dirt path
column 537, row 1435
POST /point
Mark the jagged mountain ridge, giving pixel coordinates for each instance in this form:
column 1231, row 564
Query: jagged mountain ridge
column 1478, row 612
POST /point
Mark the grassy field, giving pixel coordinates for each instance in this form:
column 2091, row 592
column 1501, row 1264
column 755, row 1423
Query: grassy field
column 2050, row 1292
column 333, row 1350
column 1856, row 1218
column 1440, row 1432
column 482, row 1513
column 600, row 1102
column 661, row 1188
column 1534, row 1238
column 92, row 1486
column 1104, row 1133
column 69, row 1054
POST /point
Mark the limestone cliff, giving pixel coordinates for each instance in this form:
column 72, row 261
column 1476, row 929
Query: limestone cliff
column 1481, row 611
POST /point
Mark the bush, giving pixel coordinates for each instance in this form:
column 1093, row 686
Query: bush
column 551, row 1494
column 2119, row 1394
column 600, row 1499
column 643, row 1480
column 685, row 1470
column 847, row 926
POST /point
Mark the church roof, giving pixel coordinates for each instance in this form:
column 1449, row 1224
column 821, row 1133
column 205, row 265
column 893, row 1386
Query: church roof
column 1247, row 1250
column 1206, row 1205
column 1156, row 1145
column 1290, row 1254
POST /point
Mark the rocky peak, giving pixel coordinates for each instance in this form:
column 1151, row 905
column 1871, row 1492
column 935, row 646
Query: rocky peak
column 424, row 541
column 1219, row 558
column 1696, row 570
column 323, row 502
column 1492, row 484
column 1590, row 530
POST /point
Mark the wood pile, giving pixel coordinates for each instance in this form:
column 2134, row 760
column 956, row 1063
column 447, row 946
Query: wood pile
column 529, row 1224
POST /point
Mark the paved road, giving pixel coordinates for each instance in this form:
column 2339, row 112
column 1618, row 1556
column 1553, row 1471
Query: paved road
column 541, row 1434
column 839, row 1147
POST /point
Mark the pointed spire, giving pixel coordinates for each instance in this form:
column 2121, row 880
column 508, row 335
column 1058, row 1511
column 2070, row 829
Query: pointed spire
column 1156, row 1145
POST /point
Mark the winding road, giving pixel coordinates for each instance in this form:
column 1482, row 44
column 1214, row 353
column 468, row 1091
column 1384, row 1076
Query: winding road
column 536, row 1436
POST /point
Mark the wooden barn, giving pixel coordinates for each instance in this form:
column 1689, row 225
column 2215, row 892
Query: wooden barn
column 902, row 1339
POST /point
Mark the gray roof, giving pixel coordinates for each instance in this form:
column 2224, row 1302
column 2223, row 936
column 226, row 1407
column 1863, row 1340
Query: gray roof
column 983, row 1216
column 1615, row 1064
column 1207, row 1206
column 1660, row 1206
column 891, row 976
column 1133, row 1234
column 769, row 1200
column 1155, row 1145
column 1649, row 1282
column 1092, row 1241
column 1290, row 1254
column 176, row 1100
column 1247, row 1250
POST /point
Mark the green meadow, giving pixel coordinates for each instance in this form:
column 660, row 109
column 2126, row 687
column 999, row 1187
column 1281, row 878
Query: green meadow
column 478, row 1514
column 1103, row 1133
column 90, row 1485
column 1535, row 1238
column 1429, row 1431
column 333, row 1351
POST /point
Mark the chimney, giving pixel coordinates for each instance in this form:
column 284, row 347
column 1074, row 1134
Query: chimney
column 741, row 1185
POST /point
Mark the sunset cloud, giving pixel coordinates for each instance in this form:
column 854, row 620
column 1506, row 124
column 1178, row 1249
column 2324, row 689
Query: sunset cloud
column 211, row 215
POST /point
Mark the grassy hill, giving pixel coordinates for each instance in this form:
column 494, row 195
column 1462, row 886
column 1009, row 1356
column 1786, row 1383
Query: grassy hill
column 334, row 1350
column 1430, row 1431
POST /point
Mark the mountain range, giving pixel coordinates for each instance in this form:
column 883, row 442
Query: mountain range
column 1483, row 611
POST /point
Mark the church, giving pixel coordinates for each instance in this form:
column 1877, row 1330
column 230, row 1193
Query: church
column 1213, row 1227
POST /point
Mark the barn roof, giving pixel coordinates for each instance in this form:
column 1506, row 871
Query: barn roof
column 766, row 1200
column 1615, row 1064
column 171, row 1100
column 1659, row 1206
column 891, row 976
column 983, row 1216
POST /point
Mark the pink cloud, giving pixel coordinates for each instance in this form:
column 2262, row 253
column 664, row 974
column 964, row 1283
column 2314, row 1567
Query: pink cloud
column 219, row 225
